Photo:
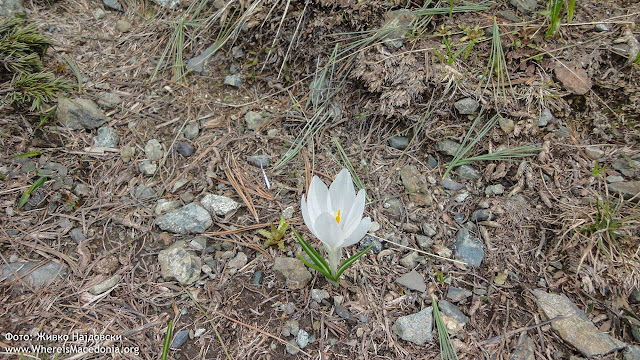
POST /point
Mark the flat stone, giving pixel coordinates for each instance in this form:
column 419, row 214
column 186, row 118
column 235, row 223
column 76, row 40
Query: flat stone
column 302, row 339
column 292, row 271
column 415, row 184
column 113, row 4
column 456, row 294
column 412, row 280
column 447, row 147
column 451, row 185
column 197, row 64
column 191, row 131
column 628, row 167
column 411, row 260
column 199, row 243
column 627, row 189
column 233, row 80
column 191, row 218
column 292, row 347
column 545, row 117
column 153, row 150
column 453, row 312
column 368, row 240
column 170, row 4
column 601, row 28
column 105, row 285
column 165, row 205
column 253, row 120
column 506, row 124
column 432, row 162
column 466, row 106
column 631, row 352
column 497, row 189
column 238, row 261
column 525, row 6
column 509, row 15
column 108, row 99
column 77, row 235
column 424, row 242
column 79, row 113
column 106, row 265
column 319, row 294
column 220, row 205
column 594, row 152
column 614, row 179
column 468, row 248
column 481, row 215
column 398, row 142
column 126, row 153
column 468, row 172
column 428, row 230
column 106, row 137
column 574, row 79
column 576, row 328
column 178, row 263
column 259, row 161
column 415, row 328
column 179, row 339
column 393, row 207
column 40, row 277
column 143, row 192
column 344, row 313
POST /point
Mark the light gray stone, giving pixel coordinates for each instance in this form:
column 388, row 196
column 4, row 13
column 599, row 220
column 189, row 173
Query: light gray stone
column 171, row 4
column 468, row 172
column 106, row 137
column 220, row 205
column 153, row 150
column 143, row 192
column 452, row 311
column 410, row 261
column 113, row 4
column 628, row 189
column 576, row 329
column 109, row 99
column 259, row 161
column 165, row 205
column 42, row 276
column 292, row 272
column 127, row 153
column 79, row 113
column 77, row 235
column 397, row 24
column 412, row 280
column 302, row 339
column 191, row 131
column 191, row 218
column 123, row 25
column 447, row 147
column 614, row 179
column 468, row 248
column 238, row 261
column 456, row 294
column 178, row 263
column 525, row 6
column 415, row 328
column 506, row 124
column 398, row 142
column 253, row 120
column 233, row 80
column 424, row 242
column 105, row 285
column 319, row 294
column 11, row 8
column 466, row 106
column 545, row 117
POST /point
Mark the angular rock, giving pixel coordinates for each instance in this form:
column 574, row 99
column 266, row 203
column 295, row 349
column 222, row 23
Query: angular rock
column 452, row 311
column 106, row 137
column 167, row 3
column 451, row 185
column 292, row 272
column 179, row 339
column 574, row 79
column 238, row 261
column 468, row 172
column 220, row 205
column 153, row 150
column 506, row 124
column 447, row 147
column 415, row 328
column 545, row 117
column 398, row 142
column 456, row 294
column 525, row 6
column 191, row 131
column 109, row 99
column 627, row 189
column 525, row 351
column 127, row 152
column 233, row 80
column 466, row 106
column 77, row 235
column 415, row 184
column 190, row 219
column 594, row 152
column 411, row 260
column 184, row 148
column 79, row 113
column 468, row 248
column 393, row 207
column 11, row 8
column 42, row 276
column 481, row 215
column 253, row 120
column 143, row 192
column 165, row 205
column 412, row 280
column 198, row 63
column 424, row 242
column 113, row 4
column 178, row 263
column 367, row 241
column 302, row 339
column 105, row 285
column 576, row 328
column 628, row 167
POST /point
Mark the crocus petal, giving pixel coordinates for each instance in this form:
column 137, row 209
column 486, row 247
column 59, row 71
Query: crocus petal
column 359, row 232
column 318, row 200
column 355, row 214
column 342, row 193
column 305, row 215
column 328, row 230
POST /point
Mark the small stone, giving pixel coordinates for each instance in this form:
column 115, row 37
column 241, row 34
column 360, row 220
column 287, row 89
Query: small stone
column 199, row 243
column 77, row 235
column 344, row 313
column 167, row 3
column 628, row 189
column 185, row 149
column 460, row 198
column 398, row 142
column 626, row 166
column 199, row 332
column 563, row 132
column 187, row 197
column 393, row 207
column 79, row 113
column 153, row 150
column 220, row 205
column 507, row 125
column 456, row 294
column 106, row 137
column 468, row 172
column 178, row 263
column 509, row 15
column 594, row 152
column 165, row 205
column 432, row 162
column 113, row 4
column 257, row 277
column 191, row 218
column 545, row 117
column 237, row 52
column 179, row 339
column 291, row 327
column 302, row 339
column 481, row 215
column 411, row 260
column 179, row 184
column 191, row 130
column 233, row 80
column 292, row 347
column 614, row 179
column 99, row 14
column 105, row 285
column 631, row 352
column 574, row 79
column 468, row 248
column 412, row 280
column 127, row 152
column 259, row 161
column 287, row 213
column 109, row 99
column 82, row 190
column 374, row 226
column 415, row 185
column 466, row 106
column 319, row 294
column 447, row 147
column 367, row 241
column 107, row 265
column 415, row 328
column 424, row 242
column 400, row 21
column 253, row 120
column 292, row 272
column 497, row 189
column 428, row 230
column 123, row 26
column 238, row 261
column 525, row 350
column 451, row 185
column 41, row 276
column 288, row 308
column 453, row 312
column 525, row 6
column 143, row 192
column 601, row 28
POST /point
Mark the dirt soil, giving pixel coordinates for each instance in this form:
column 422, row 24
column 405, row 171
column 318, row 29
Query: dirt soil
column 557, row 225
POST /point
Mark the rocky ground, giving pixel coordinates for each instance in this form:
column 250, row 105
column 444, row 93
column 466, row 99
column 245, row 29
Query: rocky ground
column 156, row 183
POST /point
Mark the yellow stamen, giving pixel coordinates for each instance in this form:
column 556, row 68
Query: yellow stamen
column 338, row 217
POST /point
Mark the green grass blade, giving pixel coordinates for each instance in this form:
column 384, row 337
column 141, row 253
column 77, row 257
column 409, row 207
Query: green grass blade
column 447, row 352
column 167, row 341
column 347, row 263
column 572, row 4
column 26, row 155
column 313, row 254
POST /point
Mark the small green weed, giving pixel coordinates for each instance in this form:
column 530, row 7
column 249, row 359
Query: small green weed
column 27, row 194
column 276, row 234
column 167, row 341
column 447, row 352
column 597, row 170
column 555, row 16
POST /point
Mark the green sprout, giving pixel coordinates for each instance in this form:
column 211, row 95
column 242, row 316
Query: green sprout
column 36, row 185
column 276, row 234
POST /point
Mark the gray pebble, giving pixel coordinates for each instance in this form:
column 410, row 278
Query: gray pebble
column 185, row 149
column 398, row 142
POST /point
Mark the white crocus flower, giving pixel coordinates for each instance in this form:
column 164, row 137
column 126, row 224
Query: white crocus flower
column 334, row 215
